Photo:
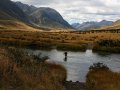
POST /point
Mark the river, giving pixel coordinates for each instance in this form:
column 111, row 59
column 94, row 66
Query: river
column 77, row 63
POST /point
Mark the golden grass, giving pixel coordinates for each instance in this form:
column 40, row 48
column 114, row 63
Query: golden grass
column 50, row 39
column 15, row 25
column 101, row 79
column 20, row 72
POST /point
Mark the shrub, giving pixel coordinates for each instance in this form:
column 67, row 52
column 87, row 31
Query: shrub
column 100, row 77
column 107, row 46
column 18, row 71
column 97, row 66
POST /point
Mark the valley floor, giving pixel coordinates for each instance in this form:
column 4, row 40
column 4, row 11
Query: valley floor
column 17, row 70
column 74, row 41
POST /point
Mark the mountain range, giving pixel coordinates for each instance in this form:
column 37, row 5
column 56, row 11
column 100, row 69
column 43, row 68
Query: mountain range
column 12, row 17
column 16, row 15
column 31, row 16
column 115, row 25
column 91, row 25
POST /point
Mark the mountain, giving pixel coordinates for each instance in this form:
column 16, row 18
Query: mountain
column 91, row 25
column 9, row 10
column 76, row 25
column 22, row 16
column 12, row 17
column 115, row 25
column 44, row 16
column 28, row 9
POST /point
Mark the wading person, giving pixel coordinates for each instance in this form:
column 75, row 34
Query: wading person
column 65, row 54
column 65, row 59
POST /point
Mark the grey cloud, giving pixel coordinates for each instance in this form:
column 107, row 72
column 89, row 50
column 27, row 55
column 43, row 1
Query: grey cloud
column 37, row 2
column 103, row 14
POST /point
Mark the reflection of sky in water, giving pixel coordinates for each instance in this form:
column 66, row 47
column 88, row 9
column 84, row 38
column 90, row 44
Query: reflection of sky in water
column 77, row 63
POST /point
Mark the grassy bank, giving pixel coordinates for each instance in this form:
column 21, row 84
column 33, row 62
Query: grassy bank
column 107, row 46
column 101, row 78
column 18, row 71
column 62, row 40
column 40, row 40
column 71, row 47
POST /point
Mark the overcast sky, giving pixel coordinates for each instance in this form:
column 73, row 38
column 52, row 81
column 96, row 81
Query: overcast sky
column 81, row 10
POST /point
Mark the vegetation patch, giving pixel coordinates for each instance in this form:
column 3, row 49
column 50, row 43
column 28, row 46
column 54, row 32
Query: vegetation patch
column 107, row 46
column 71, row 47
column 18, row 71
column 100, row 77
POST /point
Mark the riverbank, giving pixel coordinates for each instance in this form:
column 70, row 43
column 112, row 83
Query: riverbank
column 100, row 77
column 18, row 71
column 74, row 41
column 75, row 85
column 112, row 46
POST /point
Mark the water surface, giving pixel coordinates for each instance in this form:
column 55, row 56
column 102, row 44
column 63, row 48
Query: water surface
column 78, row 63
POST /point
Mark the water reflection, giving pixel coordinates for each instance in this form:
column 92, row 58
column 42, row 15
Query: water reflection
column 103, row 54
column 65, row 59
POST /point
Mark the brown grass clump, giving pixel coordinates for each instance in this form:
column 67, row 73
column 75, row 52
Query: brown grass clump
column 107, row 46
column 18, row 71
column 103, row 79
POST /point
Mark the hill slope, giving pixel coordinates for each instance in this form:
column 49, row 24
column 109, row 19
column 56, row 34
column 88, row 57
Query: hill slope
column 44, row 16
column 9, row 10
column 15, row 25
column 22, row 16
column 115, row 25
column 12, row 17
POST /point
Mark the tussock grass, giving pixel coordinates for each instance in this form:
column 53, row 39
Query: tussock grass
column 63, row 40
column 18, row 71
column 71, row 47
column 107, row 45
column 103, row 79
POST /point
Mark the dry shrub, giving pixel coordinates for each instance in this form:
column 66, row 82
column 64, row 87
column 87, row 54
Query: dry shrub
column 18, row 71
column 101, row 78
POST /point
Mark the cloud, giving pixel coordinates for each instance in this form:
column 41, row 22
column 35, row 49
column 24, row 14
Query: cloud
column 81, row 10
column 37, row 2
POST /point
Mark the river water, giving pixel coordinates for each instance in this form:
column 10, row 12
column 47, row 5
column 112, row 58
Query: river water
column 77, row 63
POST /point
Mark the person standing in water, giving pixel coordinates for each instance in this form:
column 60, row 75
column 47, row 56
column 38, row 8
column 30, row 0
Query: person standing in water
column 65, row 59
column 65, row 54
